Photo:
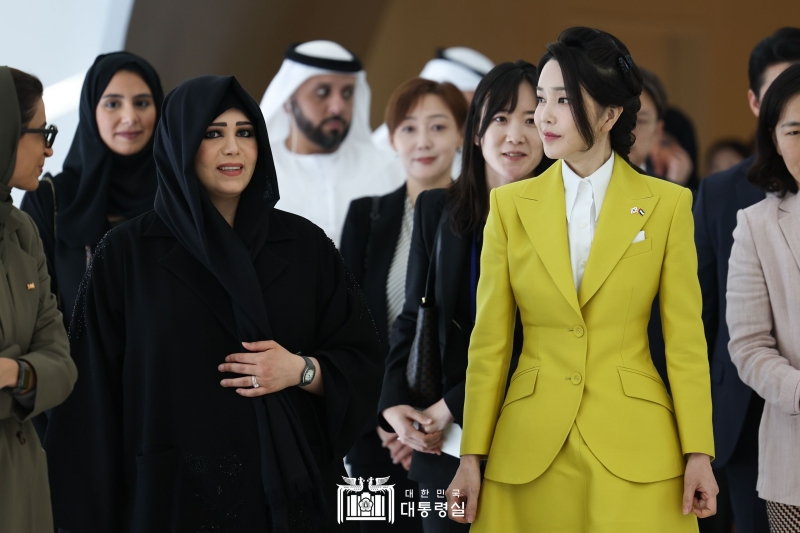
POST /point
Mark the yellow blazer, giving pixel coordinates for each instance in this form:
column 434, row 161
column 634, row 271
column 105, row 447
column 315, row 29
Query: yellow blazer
column 586, row 357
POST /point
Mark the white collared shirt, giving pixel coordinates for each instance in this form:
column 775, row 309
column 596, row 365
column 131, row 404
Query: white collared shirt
column 584, row 198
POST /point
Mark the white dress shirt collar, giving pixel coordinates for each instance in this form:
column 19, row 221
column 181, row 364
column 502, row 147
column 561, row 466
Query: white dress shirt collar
column 599, row 181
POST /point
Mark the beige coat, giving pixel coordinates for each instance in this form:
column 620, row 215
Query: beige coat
column 32, row 329
column 764, row 321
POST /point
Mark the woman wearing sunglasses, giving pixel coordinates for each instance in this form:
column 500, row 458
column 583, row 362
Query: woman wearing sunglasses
column 36, row 372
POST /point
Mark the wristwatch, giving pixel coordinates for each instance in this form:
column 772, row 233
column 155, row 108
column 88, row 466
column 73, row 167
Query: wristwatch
column 24, row 377
column 308, row 372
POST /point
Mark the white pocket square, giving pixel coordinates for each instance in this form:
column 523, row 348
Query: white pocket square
column 639, row 237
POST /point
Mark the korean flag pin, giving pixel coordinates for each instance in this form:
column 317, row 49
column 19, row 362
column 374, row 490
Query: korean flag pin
column 635, row 210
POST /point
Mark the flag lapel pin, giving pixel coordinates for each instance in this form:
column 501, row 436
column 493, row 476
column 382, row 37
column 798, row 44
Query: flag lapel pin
column 31, row 286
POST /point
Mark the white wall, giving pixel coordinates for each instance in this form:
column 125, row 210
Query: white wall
column 58, row 40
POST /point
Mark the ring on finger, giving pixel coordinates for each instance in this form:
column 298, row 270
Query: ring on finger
column 255, row 382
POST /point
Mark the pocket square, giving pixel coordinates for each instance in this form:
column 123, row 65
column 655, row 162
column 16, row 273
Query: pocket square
column 639, row 237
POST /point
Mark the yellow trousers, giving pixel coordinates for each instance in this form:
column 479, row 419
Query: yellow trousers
column 577, row 494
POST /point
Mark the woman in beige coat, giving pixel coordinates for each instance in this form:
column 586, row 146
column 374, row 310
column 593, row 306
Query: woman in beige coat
column 764, row 299
column 36, row 372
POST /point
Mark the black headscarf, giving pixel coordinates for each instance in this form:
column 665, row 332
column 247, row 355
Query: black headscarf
column 104, row 182
column 289, row 473
column 9, row 139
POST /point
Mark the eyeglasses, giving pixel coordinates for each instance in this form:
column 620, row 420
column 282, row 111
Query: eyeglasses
column 49, row 134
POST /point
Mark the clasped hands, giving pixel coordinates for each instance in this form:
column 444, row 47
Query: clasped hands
column 432, row 422
column 274, row 367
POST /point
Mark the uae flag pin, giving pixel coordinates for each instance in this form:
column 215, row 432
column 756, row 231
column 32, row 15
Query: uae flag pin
column 635, row 210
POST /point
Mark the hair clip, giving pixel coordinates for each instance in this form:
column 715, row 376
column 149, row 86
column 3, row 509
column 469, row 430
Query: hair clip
column 625, row 63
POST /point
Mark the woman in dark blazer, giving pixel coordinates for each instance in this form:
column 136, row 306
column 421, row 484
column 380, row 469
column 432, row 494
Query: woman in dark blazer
column 508, row 149
column 228, row 360
column 425, row 120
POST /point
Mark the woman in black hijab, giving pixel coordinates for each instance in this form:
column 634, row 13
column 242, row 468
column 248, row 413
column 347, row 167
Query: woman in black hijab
column 151, row 439
column 109, row 175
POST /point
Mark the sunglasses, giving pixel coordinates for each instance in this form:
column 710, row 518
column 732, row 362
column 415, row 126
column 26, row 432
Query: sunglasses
column 49, row 134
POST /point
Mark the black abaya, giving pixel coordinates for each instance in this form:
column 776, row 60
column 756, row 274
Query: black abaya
column 150, row 441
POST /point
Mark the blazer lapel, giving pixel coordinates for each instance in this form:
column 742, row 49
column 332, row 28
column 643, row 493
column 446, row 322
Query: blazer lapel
column 542, row 209
column 790, row 223
column 23, row 281
column 381, row 245
column 617, row 225
column 451, row 259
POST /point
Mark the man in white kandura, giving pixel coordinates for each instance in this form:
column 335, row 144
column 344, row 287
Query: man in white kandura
column 317, row 114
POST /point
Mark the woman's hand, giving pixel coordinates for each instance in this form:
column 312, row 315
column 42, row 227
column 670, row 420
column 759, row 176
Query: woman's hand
column 465, row 489
column 9, row 372
column 699, row 487
column 274, row 367
column 441, row 416
column 402, row 418
column 399, row 452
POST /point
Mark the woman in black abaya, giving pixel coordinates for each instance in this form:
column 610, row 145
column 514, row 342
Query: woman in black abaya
column 109, row 175
column 166, row 430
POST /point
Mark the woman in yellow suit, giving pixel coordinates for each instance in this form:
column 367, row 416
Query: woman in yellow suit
column 587, row 439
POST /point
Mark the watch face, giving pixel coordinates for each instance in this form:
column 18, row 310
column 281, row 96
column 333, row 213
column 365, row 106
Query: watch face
column 308, row 376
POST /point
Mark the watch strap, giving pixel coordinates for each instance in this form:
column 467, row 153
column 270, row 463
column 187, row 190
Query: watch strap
column 309, row 366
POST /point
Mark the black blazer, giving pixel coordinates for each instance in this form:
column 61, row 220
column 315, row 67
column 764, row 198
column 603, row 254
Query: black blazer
column 452, row 294
column 719, row 198
column 160, row 445
column 368, row 245
column 455, row 323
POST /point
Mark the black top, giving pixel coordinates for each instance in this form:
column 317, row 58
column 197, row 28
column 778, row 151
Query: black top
column 368, row 248
column 137, row 328
column 95, row 183
column 719, row 198
column 454, row 301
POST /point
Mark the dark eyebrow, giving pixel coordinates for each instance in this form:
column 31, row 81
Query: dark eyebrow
column 143, row 95
column 553, row 88
column 792, row 124
column 225, row 124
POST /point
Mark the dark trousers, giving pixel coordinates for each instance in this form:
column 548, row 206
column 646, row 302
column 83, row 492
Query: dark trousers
column 749, row 511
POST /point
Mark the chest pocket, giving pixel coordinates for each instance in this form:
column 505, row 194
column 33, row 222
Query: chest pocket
column 638, row 248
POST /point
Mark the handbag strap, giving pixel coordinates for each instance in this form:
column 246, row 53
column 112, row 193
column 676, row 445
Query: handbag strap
column 428, row 298
column 48, row 178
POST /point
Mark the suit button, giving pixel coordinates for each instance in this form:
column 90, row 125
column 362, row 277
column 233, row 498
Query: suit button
column 576, row 379
column 578, row 331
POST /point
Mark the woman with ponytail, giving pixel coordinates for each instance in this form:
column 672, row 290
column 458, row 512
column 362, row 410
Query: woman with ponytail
column 587, row 437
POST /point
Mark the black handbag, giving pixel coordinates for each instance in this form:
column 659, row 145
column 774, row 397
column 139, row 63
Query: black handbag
column 424, row 367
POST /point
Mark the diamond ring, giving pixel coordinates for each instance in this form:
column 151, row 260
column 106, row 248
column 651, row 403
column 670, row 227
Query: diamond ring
column 255, row 383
